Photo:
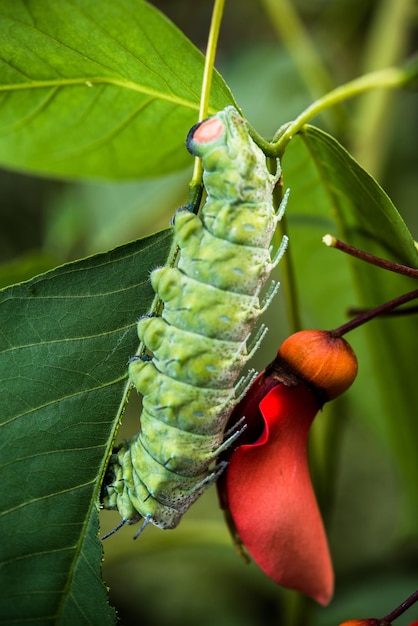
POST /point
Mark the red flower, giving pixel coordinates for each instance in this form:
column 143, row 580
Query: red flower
column 266, row 488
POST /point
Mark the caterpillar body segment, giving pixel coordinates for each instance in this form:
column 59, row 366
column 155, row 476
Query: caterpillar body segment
column 180, row 404
column 202, row 308
column 199, row 343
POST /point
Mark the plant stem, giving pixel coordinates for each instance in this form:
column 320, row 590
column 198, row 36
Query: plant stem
column 407, row 310
column 372, row 313
column 287, row 264
column 215, row 26
column 400, row 609
column 387, row 42
column 296, row 38
column 211, row 48
column 290, row 286
column 333, row 242
column 389, row 78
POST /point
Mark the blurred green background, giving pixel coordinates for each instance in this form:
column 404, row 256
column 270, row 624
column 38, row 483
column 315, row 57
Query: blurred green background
column 193, row 575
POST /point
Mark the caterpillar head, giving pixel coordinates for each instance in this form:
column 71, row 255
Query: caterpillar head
column 234, row 166
column 221, row 139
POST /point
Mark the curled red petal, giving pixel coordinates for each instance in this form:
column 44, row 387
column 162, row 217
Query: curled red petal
column 271, row 499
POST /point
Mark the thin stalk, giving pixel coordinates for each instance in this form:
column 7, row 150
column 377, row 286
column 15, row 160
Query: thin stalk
column 389, row 78
column 333, row 242
column 365, row 317
column 388, row 619
column 387, row 44
column 215, row 25
column 287, row 264
column 406, row 310
column 296, row 38
column 290, row 287
column 386, row 41
column 298, row 609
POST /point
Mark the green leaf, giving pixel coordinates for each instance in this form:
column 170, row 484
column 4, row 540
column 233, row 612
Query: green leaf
column 97, row 89
column 330, row 192
column 65, row 340
column 366, row 213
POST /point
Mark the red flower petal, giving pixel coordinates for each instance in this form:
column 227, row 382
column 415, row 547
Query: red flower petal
column 271, row 499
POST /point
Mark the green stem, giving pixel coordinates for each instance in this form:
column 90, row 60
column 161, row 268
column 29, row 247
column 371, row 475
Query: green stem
column 298, row 609
column 286, row 264
column 296, row 38
column 290, row 286
column 387, row 44
column 389, row 78
column 215, row 26
column 211, row 48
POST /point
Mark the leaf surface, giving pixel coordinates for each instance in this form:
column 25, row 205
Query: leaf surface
column 65, row 340
column 97, row 89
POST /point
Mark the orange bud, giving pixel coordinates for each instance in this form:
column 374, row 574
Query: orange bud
column 322, row 360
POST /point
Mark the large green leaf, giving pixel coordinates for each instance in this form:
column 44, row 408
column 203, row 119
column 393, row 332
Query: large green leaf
column 330, row 192
column 104, row 89
column 65, row 340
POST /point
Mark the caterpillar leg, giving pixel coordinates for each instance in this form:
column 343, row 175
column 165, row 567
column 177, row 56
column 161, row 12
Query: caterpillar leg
column 114, row 530
column 147, row 520
column 243, row 384
column 280, row 251
column 200, row 487
column 271, row 292
column 282, row 205
column 257, row 340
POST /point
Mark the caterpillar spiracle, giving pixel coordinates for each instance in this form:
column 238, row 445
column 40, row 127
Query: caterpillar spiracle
column 199, row 344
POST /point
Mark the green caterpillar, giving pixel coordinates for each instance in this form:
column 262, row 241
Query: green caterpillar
column 199, row 344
